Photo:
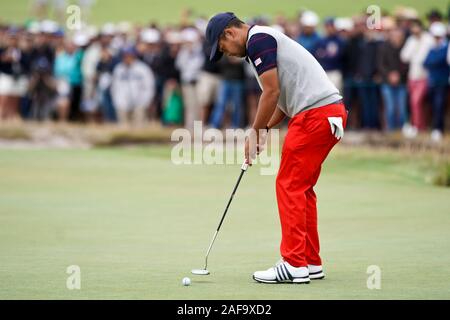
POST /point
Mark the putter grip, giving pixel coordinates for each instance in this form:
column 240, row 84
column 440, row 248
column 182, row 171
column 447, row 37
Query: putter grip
column 244, row 165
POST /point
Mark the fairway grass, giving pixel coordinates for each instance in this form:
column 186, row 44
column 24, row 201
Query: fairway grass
column 136, row 225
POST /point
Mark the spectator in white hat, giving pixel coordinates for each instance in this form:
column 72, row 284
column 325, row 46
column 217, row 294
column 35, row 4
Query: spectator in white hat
column 189, row 62
column 91, row 59
column 133, row 89
column 309, row 37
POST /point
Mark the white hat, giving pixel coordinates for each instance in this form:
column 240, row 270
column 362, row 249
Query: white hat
column 173, row 37
column 343, row 24
column 410, row 13
column 49, row 26
column 80, row 39
column 190, row 35
column 108, row 29
column 91, row 31
column 124, row 27
column 34, row 27
column 438, row 29
column 150, row 35
column 309, row 19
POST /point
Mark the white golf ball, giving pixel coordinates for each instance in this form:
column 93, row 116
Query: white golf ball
column 186, row 281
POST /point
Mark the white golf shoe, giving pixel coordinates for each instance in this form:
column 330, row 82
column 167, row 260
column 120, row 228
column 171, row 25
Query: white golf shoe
column 282, row 272
column 315, row 272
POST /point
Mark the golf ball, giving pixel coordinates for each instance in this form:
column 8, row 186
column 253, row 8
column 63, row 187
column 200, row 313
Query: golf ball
column 186, row 281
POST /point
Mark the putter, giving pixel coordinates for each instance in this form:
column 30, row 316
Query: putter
column 204, row 271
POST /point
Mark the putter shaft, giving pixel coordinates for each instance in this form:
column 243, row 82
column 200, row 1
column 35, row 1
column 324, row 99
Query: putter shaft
column 243, row 169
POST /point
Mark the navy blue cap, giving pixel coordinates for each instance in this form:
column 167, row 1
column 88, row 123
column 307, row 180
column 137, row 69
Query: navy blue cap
column 329, row 21
column 129, row 49
column 215, row 27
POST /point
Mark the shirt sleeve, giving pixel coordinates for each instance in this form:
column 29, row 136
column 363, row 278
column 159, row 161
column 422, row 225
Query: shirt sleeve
column 262, row 52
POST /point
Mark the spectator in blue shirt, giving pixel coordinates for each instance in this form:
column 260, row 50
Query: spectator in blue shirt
column 309, row 38
column 438, row 75
column 67, row 70
column 329, row 53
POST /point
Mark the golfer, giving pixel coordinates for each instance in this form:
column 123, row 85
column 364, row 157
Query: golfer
column 294, row 85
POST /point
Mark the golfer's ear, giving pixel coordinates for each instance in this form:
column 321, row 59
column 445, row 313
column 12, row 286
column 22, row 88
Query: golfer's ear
column 228, row 32
column 269, row 80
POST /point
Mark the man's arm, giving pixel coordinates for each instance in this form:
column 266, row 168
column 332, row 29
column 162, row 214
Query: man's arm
column 268, row 101
column 267, row 109
column 262, row 54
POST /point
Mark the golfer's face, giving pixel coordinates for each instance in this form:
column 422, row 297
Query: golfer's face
column 229, row 45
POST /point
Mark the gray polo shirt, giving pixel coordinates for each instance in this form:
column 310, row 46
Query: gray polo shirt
column 303, row 83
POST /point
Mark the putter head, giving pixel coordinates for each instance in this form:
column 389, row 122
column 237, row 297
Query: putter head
column 200, row 272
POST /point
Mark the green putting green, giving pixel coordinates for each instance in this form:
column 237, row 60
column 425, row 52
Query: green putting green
column 136, row 224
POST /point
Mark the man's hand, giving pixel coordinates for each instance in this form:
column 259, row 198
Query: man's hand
column 251, row 146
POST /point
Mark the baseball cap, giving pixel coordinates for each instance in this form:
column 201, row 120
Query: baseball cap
column 215, row 27
column 438, row 29
column 129, row 50
column 309, row 19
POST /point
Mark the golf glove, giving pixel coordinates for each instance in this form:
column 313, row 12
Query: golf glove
column 337, row 129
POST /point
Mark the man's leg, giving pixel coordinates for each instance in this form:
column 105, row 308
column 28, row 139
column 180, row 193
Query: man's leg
column 312, row 234
column 307, row 144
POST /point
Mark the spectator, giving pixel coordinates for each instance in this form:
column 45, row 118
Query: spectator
column 208, row 85
column 103, row 80
column 67, row 70
column 14, row 71
column 150, row 44
column 189, row 62
column 438, row 76
column 393, row 72
column 42, row 89
column 132, row 89
column 231, row 89
column 103, row 74
column 91, row 58
column 70, row 79
column 164, row 67
column 329, row 53
column 434, row 15
column 366, row 78
column 414, row 52
column 173, row 104
column 309, row 38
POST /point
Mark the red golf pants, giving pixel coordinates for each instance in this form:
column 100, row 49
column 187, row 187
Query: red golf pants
column 308, row 141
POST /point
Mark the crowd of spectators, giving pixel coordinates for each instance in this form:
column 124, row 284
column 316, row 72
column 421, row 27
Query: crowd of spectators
column 393, row 76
